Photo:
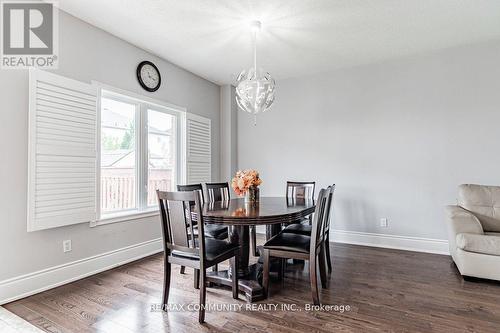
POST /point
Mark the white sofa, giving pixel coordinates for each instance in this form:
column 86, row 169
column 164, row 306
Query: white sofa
column 474, row 231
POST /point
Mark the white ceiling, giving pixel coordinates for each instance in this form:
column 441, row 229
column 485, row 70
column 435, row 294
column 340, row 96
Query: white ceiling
column 212, row 38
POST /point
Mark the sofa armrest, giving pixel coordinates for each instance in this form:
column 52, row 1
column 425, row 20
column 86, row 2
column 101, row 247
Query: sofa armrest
column 458, row 221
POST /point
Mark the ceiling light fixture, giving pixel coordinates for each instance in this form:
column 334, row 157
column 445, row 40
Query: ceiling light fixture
column 255, row 88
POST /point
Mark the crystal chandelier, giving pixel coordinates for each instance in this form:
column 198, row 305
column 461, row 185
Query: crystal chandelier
column 255, row 88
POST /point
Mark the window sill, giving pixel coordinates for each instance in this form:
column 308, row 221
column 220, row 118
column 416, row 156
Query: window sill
column 124, row 217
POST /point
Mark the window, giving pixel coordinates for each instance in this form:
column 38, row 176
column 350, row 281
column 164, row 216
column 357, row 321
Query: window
column 139, row 154
column 98, row 154
column 118, row 156
column 162, row 153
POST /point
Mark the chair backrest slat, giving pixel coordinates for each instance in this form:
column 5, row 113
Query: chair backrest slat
column 216, row 192
column 178, row 223
column 319, row 219
column 328, row 211
column 325, row 223
column 165, row 224
column 300, row 190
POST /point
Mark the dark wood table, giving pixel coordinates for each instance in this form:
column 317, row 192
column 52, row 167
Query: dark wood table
column 239, row 216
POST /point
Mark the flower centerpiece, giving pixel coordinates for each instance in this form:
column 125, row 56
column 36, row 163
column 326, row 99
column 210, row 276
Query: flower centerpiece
column 247, row 183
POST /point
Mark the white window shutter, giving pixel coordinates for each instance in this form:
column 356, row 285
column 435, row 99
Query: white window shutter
column 62, row 151
column 199, row 151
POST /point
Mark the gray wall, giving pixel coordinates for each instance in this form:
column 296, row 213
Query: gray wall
column 396, row 137
column 228, row 136
column 86, row 53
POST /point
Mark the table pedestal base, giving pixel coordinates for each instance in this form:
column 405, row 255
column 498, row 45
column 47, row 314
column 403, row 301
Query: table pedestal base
column 249, row 276
column 248, row 284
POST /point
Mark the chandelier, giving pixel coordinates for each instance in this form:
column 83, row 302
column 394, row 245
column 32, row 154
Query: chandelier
column 255, row 88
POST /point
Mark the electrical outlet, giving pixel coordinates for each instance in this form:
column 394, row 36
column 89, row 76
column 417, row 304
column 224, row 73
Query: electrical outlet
column 67, row 245
column 383, row 222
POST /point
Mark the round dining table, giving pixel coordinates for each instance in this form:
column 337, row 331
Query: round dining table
column 239, row 215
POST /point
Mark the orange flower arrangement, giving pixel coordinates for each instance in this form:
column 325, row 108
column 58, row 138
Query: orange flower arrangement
column 244, row 180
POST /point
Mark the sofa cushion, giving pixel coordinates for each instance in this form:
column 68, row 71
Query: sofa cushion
column 483, row 202
column 488, row 243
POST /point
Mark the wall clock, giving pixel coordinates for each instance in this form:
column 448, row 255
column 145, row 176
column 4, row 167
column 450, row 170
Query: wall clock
column 149, row 76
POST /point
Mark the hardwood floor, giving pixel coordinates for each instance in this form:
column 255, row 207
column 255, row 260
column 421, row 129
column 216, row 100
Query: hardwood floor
column 386, row 290
column 10, row 323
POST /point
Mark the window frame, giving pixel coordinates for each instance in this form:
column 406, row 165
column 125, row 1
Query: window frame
column 143, row 104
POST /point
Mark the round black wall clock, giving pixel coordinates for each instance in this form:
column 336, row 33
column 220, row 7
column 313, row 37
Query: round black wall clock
column 149, row 76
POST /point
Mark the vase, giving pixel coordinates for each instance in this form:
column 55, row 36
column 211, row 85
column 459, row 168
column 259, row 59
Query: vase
column 252, row 195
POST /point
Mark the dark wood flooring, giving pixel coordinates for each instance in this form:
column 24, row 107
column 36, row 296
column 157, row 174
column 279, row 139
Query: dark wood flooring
column 387, row 291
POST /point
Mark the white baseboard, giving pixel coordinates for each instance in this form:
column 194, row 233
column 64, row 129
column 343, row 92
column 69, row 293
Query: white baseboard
column 428, row 245
column 33, row 283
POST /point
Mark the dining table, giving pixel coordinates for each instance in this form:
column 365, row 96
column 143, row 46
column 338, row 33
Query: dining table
column 239, row 214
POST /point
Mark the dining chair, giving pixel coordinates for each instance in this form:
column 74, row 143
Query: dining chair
column 296, row 246
column 211, row 230
column 296, row 191
column 216, row 192
column 304, row 229
column 182, row 248
column 216, row 231
column 300, row 191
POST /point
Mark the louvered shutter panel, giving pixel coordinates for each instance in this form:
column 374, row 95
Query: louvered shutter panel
column 199, row 152
column 62, row 159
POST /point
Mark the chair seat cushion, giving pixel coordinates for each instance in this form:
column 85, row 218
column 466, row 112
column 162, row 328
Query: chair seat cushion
column 488, row 243
column 214, row 248
column 285, row 241
column 213, row 231
column 216, row 231
column 301, row 229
